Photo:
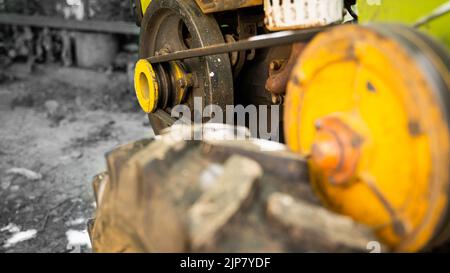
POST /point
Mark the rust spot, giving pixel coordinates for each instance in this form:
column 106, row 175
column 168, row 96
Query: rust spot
column 414, row 128
column 357, row 141
column 350, row 53
column 370, row 87
column 280, row 70
column 295, row 80
column 336, row 150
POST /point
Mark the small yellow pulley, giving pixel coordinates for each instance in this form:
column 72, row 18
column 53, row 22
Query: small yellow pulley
column 146, row 86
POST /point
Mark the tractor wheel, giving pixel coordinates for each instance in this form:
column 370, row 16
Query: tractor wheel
column 165, row 195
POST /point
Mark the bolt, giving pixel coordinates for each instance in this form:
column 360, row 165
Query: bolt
column 186, row 81
column 326, row 152
column 277, row 99
column 181, row 83
column 275, row 65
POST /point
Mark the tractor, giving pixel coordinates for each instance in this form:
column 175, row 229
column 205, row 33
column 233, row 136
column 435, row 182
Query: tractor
column 362, row 87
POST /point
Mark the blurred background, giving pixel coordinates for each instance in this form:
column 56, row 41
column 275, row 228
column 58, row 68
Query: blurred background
column 66, row 99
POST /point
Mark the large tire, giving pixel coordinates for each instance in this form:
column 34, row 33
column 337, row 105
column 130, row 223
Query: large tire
column 191, row 196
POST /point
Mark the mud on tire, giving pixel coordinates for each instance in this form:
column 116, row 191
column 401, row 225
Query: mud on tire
column 161, row 195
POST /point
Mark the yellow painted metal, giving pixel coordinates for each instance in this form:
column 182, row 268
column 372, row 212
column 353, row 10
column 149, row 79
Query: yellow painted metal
column 370, row 82
column 179, row 75
column 146, row 86
column 144, row 5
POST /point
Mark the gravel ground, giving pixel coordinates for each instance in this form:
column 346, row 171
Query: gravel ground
column 55, row 127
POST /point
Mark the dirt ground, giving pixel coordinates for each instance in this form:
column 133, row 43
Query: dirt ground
column 58, row 123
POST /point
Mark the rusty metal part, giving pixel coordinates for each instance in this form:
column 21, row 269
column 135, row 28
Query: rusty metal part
column 246, row 27
column 335, row 151
column 252, row 79
column 279, row 72
column 209, row 6
column 259, row 41
column 234, row 56
column 277, row 99
column 181, row 82
column 276, row 65
column 247, row 24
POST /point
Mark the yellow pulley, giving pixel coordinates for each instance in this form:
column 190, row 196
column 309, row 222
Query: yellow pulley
column 144, row 5
column 146, row 86
column 369, row 107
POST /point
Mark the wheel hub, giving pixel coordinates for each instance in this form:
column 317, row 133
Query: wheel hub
column 368, row 106
column 336, row 150
column 159, row 85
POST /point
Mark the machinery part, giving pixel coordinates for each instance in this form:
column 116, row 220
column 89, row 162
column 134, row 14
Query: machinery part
column 279, row 72
column 260, row 41
column 144, row 5
column 247, row 26
column 335, row 150
column 176, row 25
column 161, row 86
column 234, row 56
column 385, row 160
column 164, row 195
column 296, row 14
column 181, row 81
column 252, row 80
column 146, row 86
column 210, row 6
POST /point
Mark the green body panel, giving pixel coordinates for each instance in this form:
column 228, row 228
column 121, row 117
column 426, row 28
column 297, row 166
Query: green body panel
column 407, row 12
